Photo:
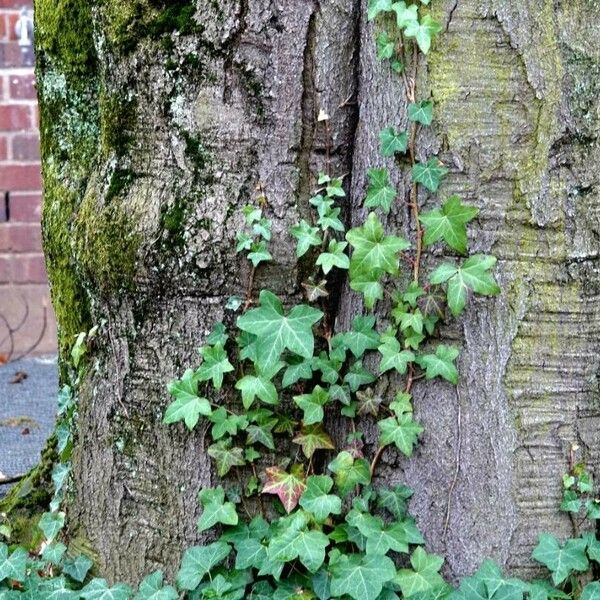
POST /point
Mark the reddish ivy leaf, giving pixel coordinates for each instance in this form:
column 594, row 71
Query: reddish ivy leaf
column 287, row 486
column 313, row 437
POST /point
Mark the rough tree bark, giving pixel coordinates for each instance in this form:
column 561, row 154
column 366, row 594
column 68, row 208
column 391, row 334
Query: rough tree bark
column 159, row 120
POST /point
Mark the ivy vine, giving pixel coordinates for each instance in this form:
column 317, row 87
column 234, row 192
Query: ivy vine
column 299, row 513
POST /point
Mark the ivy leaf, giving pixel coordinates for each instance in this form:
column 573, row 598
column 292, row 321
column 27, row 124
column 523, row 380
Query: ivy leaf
column 259, row 253
column 393, row 357
column 473, row 275
column 423, row 32
column 449, row 223
column 261, row 434
column 362, row 337
column 77, row 568
column 312, row 438
column 249, row 553
column 591, row 591
column 358, row 376
column 215, row 509
column 561, row 560
column 391, row 141
column 405, row 16
column 218, row 335
column 373, row 250
column 412, row 320
column 252, row 386
column 380, row 194
column 53, row 553
column 361, row 577
column 570, row 502
column 51, row 523
column 368, row 402
column 188, row 406
column 441, row 363
column 378, row 6
column 592, row 509
column 367, row 285
column 287, row 486
column 334, row 257
column 244, row 241
column 98, row 589
column 395, row 500
column 225, row 456
column 307, row 236
column 349, row 472
column 153, row 588
column 276, row 331
column 329, row 368
column 301, row 368
column 214, row 365
column 198, row 561
column 430, row 174
column 421, row 112
column 224, row 423
column 317, row 500
column 14, row 566
column 400, row 430
column 423, row 576
column 312, row 405
column 385, row 47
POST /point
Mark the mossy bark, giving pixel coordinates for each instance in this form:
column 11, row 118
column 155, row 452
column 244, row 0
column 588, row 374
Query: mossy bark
column 160, row 119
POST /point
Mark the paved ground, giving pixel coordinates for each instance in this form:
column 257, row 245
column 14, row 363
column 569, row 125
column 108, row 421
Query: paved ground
column 27, row 412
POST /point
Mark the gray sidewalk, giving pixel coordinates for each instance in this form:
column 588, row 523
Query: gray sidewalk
column 27, row 413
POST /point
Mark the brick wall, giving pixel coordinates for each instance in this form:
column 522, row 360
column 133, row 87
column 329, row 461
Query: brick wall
column 24, row 295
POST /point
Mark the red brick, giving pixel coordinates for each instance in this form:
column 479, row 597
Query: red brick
column 26, row 148
column 20, row 178
column 25, row 208
column 22, row 87
column 3, row 147
column 16, row 4
column 11, row 21
column 19, row 237
column 3, row 31
column 11, row 55
column 6, row 268
column 29, row 269
column 15, row 118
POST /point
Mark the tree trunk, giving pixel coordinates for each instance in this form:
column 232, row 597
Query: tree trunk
column 159, row 122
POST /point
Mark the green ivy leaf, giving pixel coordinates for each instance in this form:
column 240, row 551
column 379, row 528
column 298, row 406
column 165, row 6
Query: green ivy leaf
column 380, row 194
column 592, row 509
column 317, row 500
column 570, row 502
column 334, row 257
column 473, row 275
column 369, row 287
column 329, row 368
column 98, row 589
column 362, row 337
column 215, row 509
column 224, row 423
column 393, row 357
column 198, row 561
column 395, row 500
column 400, row 430
column 377, row 6
column 361, row 577
column 153, row 588
column 13, row 566
column 384, row 45
column 188, row 406
column 51, row 523
column 423, row 32
column 349, row 472
column 561, row 560
column 261, row 434
column 77, row 568
column 252, row 386
column 421, row 112
column 214, row 365
column 358, row 376
column 53, row 553
column 430, row 174
column 312, row 405
column 440, row 364
column 374, row 252
column 449, row 223
column 312, row 438
column 225, row 456
column 405, row 16
column 591, row 591
column 423, row 576
column 307, row 236
column 277, row 331
column 300, row 368
column 287, row 486
column 392, row 142
column 259, row 253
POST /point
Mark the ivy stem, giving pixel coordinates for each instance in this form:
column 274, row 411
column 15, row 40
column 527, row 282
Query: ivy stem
column 249, row 289
column 375, row 460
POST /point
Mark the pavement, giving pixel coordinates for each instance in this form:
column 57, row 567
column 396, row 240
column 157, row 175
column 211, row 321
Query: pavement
column 27, row 413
